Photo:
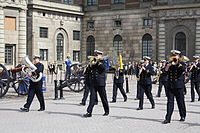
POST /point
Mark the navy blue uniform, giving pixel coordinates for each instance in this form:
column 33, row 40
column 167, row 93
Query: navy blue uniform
column 98, row 83
column 138, row 85
column 162, row 81
column 87, row 85
column 146, row 85
column 118, row 83
column 175, row 88
column 195, row 80
column 35, row 88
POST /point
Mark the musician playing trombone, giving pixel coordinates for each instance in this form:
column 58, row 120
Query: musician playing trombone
column 175, row 86
column 35, row 88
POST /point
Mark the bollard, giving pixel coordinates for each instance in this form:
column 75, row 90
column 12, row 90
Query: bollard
column 56, row 89
column 61, row 90
column 127, row 86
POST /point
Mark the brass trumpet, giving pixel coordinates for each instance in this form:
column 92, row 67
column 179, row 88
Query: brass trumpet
column 174, row 60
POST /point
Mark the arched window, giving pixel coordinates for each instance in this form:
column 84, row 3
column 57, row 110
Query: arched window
column 117, row 43
column 90, row 45
column 147, row 45
column 180, row 42
column 59, row 47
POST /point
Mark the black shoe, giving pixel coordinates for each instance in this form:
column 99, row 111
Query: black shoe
column 192, row 101
column 182, row 119
column 166, row 121
column 125, row 99
column 106, row 114
column 87, row 115
column 41, row 109
column 199, row 99
column 136, row 99
column 112, row 101
column 153, row 106
column 82, row 104
column 24, row 109
column 139, row 108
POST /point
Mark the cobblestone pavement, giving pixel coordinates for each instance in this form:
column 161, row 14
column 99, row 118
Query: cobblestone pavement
column 65, row 116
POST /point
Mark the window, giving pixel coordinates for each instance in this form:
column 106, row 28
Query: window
column 117, row 23
column 90, row 45
column 147, row 45
column 10, row 23
column 59, row 47
column 147, row 0
column 117, row 43
column 147, row 22
column 180, row 42
column 90, row 25
column 76, row 55
column 44, row 54
column 43, row 32
column 118, row 1
column 91, row 2
column 76, row 35
column 67, row 1
column 8, row 55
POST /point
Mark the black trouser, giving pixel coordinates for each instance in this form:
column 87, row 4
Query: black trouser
column 102, row 93
column 161, row 84
column 138, row 90
column 36, row 89
column 147, row 90
column 178, row 93
column 194, row 85
column 85, row 94
column 115, row 87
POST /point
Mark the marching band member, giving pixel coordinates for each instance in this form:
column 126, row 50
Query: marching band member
column 145, row 82
column 87, row 85
column 195, row 78
column 162, row 78
column 118, row 83
column 98, row 83
column 175, row 86
column 35, row 87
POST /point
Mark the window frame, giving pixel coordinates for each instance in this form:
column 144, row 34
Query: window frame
column 75, row 52
column 147, row 22
column 42, row 34
column 60, row 48
column 91, row 2
column 11, row 62
column 76, row 37
column 42, row 53
column 118, row 1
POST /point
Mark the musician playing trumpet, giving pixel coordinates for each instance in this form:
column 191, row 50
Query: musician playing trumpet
column 35, row 88
column 175, row 85
column 145, row 82
column 98, row 83
column 195, row 78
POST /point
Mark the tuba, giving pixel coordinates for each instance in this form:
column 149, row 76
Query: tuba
column 29, row 69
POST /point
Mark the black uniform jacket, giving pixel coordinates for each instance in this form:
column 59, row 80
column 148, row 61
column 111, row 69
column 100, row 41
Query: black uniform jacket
column 98, row 74
column 176, row 76
column 195, row 73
